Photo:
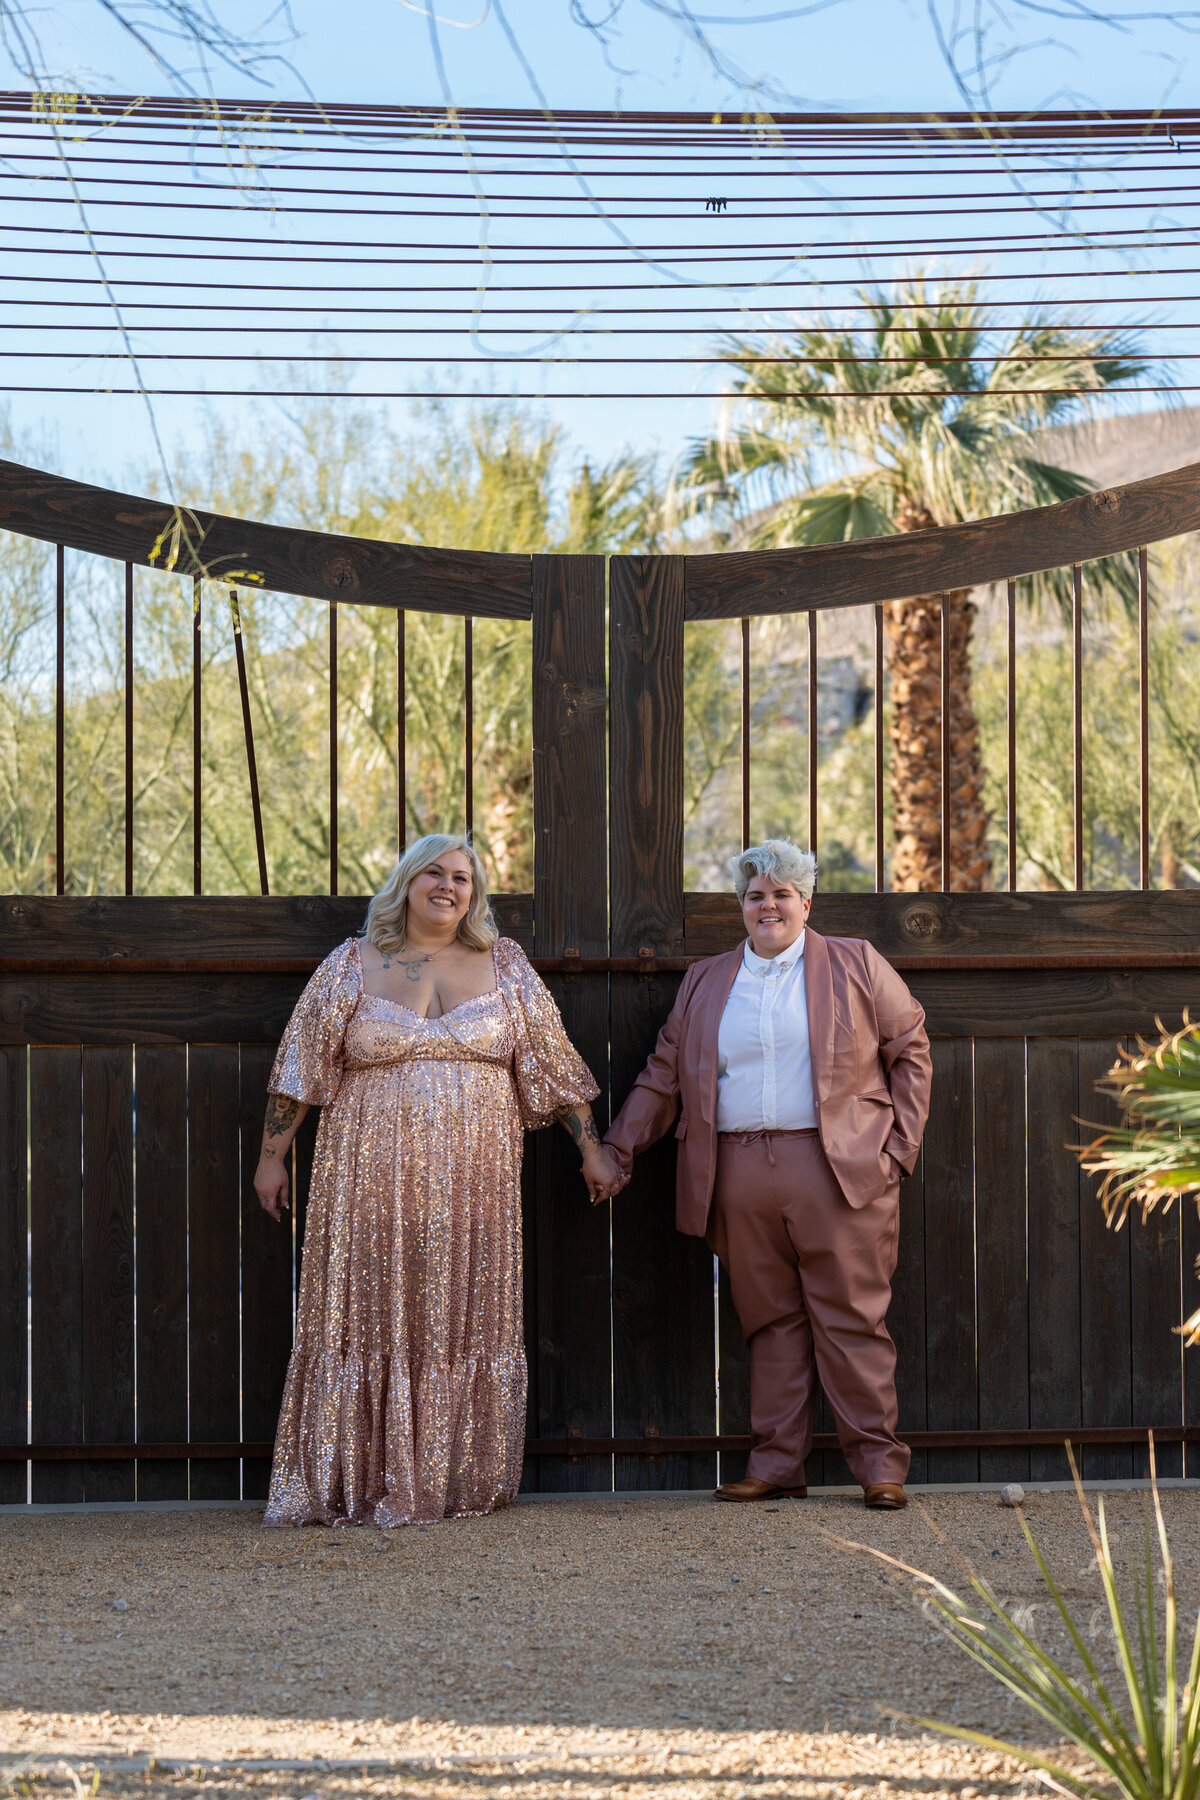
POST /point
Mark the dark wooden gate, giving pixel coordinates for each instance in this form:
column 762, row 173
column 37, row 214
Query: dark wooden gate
column 136, row 1033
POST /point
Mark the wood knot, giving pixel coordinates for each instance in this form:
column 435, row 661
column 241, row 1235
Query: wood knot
column 340, row 574
column 1107, row 501
column 921, row 922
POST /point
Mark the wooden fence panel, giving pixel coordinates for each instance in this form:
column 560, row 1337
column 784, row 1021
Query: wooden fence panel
column 161, row 1160
column 568, row 1323
column 108, row 1285
column 266, row 1279
column 664, row 1374
column 1000, row 1227
column 1054, row 1317
column 950, row 1325
column 56, row 1215
column 906, row 1315
column 1107, row 1393
column 1156, row 1354
column 14, row 1214
column 214, row 1202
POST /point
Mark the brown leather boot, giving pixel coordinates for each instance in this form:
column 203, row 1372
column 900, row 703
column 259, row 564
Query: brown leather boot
column 749, row 1488
column 887, row 1495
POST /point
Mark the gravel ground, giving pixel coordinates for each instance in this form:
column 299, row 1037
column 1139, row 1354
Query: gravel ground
column 649, row 1646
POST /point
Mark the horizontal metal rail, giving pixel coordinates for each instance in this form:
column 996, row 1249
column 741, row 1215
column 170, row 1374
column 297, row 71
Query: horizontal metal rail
column 588, row 965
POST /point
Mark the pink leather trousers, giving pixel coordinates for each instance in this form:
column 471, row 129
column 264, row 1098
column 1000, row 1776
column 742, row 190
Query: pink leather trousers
column 811, row 1281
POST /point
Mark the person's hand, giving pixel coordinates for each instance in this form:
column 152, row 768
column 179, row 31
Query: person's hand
column 271, row 1186
column 603, row 1176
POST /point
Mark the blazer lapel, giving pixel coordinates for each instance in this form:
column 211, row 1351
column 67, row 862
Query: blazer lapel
column 818, row 996
column 718, row 979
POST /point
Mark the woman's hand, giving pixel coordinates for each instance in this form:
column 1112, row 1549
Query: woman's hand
column 271, row 1185
column 602, row 1174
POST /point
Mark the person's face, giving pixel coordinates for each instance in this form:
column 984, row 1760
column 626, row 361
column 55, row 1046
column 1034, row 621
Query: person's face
column 774, row 915
column 439, row 896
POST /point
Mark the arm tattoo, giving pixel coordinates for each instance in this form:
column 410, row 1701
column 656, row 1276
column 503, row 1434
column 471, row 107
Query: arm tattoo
column 281, row 1111
column 583, row 1130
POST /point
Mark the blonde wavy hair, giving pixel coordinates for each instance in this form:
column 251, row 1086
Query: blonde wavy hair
column 387, row 915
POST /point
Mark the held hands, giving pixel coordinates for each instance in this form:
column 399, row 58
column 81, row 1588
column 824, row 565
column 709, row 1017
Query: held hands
column 271, row 1186
column 602, row 1174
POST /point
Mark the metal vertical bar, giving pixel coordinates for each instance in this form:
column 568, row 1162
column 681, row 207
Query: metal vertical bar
column 129, row 728
column 197, row 737
column 333, row 748
column 812, row 732
column 1143, row 718
column 469, row 722
column 60, row 718
column 1012, row 736
column 947, row 745
column 745, row 734
column 879, row 796
column 1077, row 721
column 401, row 747
column 248, row 730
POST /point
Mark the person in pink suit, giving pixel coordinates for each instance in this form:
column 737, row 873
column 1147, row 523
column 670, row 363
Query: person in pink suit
column 798, row 1069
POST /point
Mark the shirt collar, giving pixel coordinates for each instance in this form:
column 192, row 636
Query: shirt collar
column 787, row 959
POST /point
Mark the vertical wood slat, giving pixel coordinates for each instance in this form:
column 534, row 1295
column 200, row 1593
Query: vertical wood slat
column 662, row 1282
column 906, row 1315
column 1156, row 1353
column 947, row 747
column 813, row 739
column 1001, row 1213
column 129, row 728
column 1011, row 721
column 1105, row 1364
column 745, row 633
column 333, row 747
column 570, row 1319
column 879, row 787
column 14, row 1367
column 108, row 1327
column 401, row 736
column 1143, row 720
column 266, row 1285
column 60, row 720
column 161, row 1171
column 56, row 1242
column 1077, row 722
column 1189, row 1231
column 951, row 1375
column 197, row 737
column 1055, row 1374
column 260, row 848
column 214, row 1194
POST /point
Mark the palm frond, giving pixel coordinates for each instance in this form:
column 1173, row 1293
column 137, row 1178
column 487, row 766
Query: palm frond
column 1153, row 1155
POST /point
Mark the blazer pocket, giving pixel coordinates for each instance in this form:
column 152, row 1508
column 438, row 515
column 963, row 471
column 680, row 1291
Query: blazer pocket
column 681, row 1128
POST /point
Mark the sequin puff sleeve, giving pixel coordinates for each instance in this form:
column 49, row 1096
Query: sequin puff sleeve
column 549, row 1072
column 308, row 1064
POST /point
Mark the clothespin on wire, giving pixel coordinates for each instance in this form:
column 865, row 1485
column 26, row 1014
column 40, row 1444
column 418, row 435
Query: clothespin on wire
column 716, row 203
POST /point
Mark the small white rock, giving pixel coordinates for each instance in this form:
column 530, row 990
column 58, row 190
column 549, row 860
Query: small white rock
column 1012, row 1495
column 120, row 1606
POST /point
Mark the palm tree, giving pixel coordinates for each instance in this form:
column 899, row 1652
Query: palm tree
column 923, row 416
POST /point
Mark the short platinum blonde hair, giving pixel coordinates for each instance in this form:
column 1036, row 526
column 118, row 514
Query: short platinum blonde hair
column 387, row 915
column 778, row 859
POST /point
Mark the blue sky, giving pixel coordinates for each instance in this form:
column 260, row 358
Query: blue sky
column 846, row 55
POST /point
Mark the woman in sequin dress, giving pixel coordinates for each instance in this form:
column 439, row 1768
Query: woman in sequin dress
column 429, row 1044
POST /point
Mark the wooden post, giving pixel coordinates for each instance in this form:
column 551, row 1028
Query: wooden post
column 567, row 1240
column 664, row 1375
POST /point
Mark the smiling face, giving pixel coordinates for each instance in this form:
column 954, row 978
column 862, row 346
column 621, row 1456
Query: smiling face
column 774, row 915
column 438, row 898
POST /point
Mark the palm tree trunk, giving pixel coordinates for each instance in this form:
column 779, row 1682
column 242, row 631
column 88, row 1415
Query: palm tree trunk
column 914, row 656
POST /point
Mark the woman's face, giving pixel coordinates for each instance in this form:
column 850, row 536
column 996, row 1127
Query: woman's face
column 774, row 915
column 439, row 896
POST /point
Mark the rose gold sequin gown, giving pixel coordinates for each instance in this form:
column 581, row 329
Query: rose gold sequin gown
column 405, row 1394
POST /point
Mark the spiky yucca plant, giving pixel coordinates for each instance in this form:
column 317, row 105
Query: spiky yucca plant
column 1149, row 1749
column 1153, row 1156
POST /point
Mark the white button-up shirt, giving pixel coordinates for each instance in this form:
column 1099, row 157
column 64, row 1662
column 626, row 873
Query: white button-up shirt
column 764, row 1061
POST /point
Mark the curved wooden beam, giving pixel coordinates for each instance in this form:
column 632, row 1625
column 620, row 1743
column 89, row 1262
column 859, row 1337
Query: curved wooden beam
column 862, row 573
column 245, row 553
